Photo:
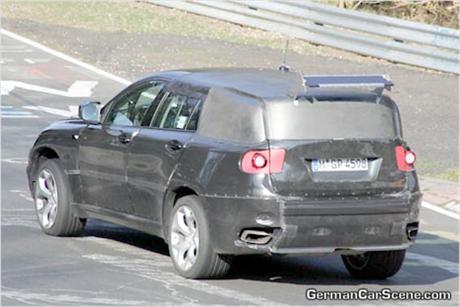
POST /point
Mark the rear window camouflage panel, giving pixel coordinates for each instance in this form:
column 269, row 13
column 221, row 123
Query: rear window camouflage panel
column 318, row 120
column 232, row 116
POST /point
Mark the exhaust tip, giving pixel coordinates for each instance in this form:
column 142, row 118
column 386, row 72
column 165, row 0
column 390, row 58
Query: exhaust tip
column 256, row 236
column 412, row 231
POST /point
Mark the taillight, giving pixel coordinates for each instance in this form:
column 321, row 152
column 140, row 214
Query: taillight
column 263, row 161
column 405, row 158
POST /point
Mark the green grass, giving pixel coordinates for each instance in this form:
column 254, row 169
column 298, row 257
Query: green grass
column 130, row 16
column 99, row 16
column 451, row 175
column 432, row 169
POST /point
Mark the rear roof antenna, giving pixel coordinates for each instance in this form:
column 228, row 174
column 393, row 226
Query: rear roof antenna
column 283, row 66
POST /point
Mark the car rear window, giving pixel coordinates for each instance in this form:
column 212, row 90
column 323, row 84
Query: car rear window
column 333, row 119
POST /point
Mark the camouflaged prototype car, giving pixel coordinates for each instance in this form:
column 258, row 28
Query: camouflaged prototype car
column 225, row 162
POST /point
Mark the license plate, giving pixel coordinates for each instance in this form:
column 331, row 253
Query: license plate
column 339, row 165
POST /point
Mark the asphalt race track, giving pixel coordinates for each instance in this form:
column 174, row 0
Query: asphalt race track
column 112, row 265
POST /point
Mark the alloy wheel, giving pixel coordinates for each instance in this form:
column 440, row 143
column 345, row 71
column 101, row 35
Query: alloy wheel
column 46, row 198
column 184, row 238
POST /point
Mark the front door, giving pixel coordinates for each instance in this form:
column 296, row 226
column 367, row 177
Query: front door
column 104, row 148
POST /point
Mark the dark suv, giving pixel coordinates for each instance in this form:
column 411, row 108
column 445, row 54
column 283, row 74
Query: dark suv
column 224, row 162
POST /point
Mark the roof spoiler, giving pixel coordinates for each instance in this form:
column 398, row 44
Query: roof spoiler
column 380, row 82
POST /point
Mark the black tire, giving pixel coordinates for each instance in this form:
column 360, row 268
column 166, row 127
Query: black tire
column 65, row 222
column 208, row 264
column 374, row 265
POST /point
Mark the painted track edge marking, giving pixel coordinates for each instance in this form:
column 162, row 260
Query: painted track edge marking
column 65, row 57
column 440, row 210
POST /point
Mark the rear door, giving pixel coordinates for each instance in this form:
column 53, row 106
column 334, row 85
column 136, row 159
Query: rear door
column 104, row 148
column 335, row 148
column 155, row 152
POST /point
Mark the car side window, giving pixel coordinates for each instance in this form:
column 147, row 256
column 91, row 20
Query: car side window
column 193, row 122
column 176, row 112
column 130, row 109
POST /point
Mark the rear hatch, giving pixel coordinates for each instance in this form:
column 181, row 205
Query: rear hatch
column 335, row 147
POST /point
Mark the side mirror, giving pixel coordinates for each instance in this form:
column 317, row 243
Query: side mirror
column 89, row 111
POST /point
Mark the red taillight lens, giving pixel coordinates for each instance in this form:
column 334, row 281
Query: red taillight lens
column 277, row 156
column 263, row 161
column 405, row 159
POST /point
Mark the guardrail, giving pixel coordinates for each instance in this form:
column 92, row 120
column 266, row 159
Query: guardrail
column 378, row 36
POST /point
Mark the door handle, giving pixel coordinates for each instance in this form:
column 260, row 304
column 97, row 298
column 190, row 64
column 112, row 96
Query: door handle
column 174, row 145
column 124, row 138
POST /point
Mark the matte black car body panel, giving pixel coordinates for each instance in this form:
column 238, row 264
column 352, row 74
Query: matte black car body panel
column 298, row 179
column 313, row 225
column 149, row 169
column 217, row 169
column 60, row 139
column 102, row 161
column 135, row 184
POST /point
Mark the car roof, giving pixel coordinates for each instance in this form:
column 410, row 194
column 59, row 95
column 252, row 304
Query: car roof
column 262, row 83
column 267, row 84
column 237, row 97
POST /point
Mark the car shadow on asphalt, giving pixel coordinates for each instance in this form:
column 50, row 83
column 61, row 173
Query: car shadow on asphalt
column 304, row 270
column 106, row 230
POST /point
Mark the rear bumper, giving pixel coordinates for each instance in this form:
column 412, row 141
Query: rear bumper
column 312, row 226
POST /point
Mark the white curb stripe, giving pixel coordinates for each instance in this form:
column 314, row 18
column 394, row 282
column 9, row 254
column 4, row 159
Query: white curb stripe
column 433, row 262
column 440, row 210
column 65, row 57
column 50, row 110
column 18, row 116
